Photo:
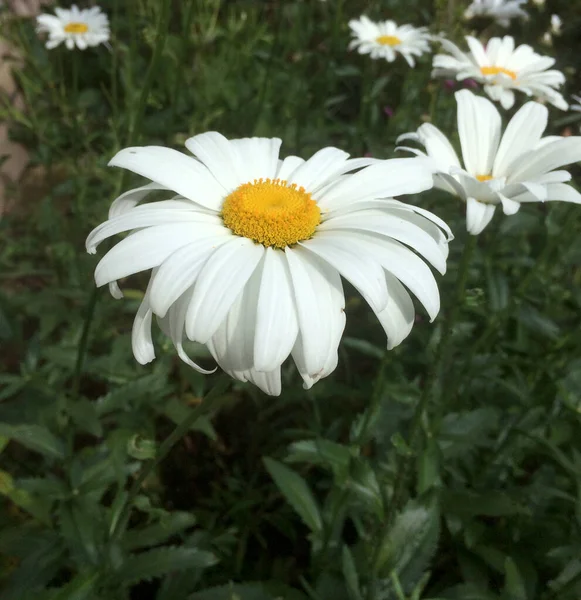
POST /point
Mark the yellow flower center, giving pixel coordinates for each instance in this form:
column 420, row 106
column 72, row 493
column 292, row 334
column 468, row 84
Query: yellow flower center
column 484, row 177
column 388, row 40
column 76, row 28
column 271, row 212
column 497, row 70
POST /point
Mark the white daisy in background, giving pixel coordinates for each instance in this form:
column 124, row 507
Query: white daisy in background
column 75, row 27
column 386, row 39
column 556, row 25
column 576, row 107
column 502, row 69
column 509, row 170
column 248, row 251
column 502, row 11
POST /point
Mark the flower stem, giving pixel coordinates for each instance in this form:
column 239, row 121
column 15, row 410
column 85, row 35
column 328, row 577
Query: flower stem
column 430, row 393
column 120, row 517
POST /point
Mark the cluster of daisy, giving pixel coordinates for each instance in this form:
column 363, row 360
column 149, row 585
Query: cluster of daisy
column 247, row 251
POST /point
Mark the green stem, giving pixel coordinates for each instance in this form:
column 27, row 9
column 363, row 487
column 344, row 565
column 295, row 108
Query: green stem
column 430, row 393
column 83, row 343
column 212, row 401
column 160, row 38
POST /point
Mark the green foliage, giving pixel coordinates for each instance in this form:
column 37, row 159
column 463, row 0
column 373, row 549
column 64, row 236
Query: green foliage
column 94, row 505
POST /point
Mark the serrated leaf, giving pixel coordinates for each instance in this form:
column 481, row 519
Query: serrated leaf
column 297, row 492
column 160, row 562
column 411, row 543
column 321, row 452
column 35, row 437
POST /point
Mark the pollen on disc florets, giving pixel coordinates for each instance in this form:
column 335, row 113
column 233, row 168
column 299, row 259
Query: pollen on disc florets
column 76, row 28
column 271, row 212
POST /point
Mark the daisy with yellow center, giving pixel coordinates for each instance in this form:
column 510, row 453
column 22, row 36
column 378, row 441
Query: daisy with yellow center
column 499, row 169
column 502, row 69
column 80, row 28
column 386, row 39
column 247, row 251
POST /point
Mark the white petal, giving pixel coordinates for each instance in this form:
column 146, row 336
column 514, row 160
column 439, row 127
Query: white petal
column 546, row 158
column 259, row 157
column 479, row 127
column 158, row 213
column 221, row 280
column 176, row 319
column 401, row 262
column 397, row 227
column 397, row 318
column 478, row 215
column 381, row 180
column 362, row 272
column 509, row 206
column 130, row 199
column 287, row 166
column 181, row 269
column 320, row 306
column 276, row 322
column 563, row 192
column 141, row 341
column 174, row 170
column 144, row 249
column 320, row 168
column 522, row 134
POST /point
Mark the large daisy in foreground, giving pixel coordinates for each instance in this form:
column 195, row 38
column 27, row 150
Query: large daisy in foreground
column 386, row 39
column 248, row 251
column 509, row 170
column 75, row 27
column 502, row 69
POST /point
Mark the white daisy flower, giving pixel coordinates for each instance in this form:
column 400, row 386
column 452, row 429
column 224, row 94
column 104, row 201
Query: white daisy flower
column 386, row 39
column 502, row 69
column 248, row 251
column 556, row 25
column 75, row 27
column 502, row 11
column 508, row 169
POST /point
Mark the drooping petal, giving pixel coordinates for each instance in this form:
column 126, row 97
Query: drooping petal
column 276, row 321
column 362, row 272
column 320, row 305
column 181, row 269
column 145, row 249
column 478, row 215
column 221, row 280
column 141, row 341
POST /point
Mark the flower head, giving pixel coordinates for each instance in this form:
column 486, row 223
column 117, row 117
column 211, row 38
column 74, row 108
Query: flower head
column 248, row 251
column 502, row 69
column 75, row 27
column 502, row 11
column 386, row 39
column 508, row 169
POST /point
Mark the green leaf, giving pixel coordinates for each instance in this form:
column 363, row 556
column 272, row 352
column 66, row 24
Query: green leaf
column 35, row 437
column 498, row 290
column 80, row 587
column 298, row 494
column 492, row 504
column 321, row 452
column 159, row 532
column 161, row 561
column 514, row 585
column 411, row 543
column 249, row 591
column 350, row 574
